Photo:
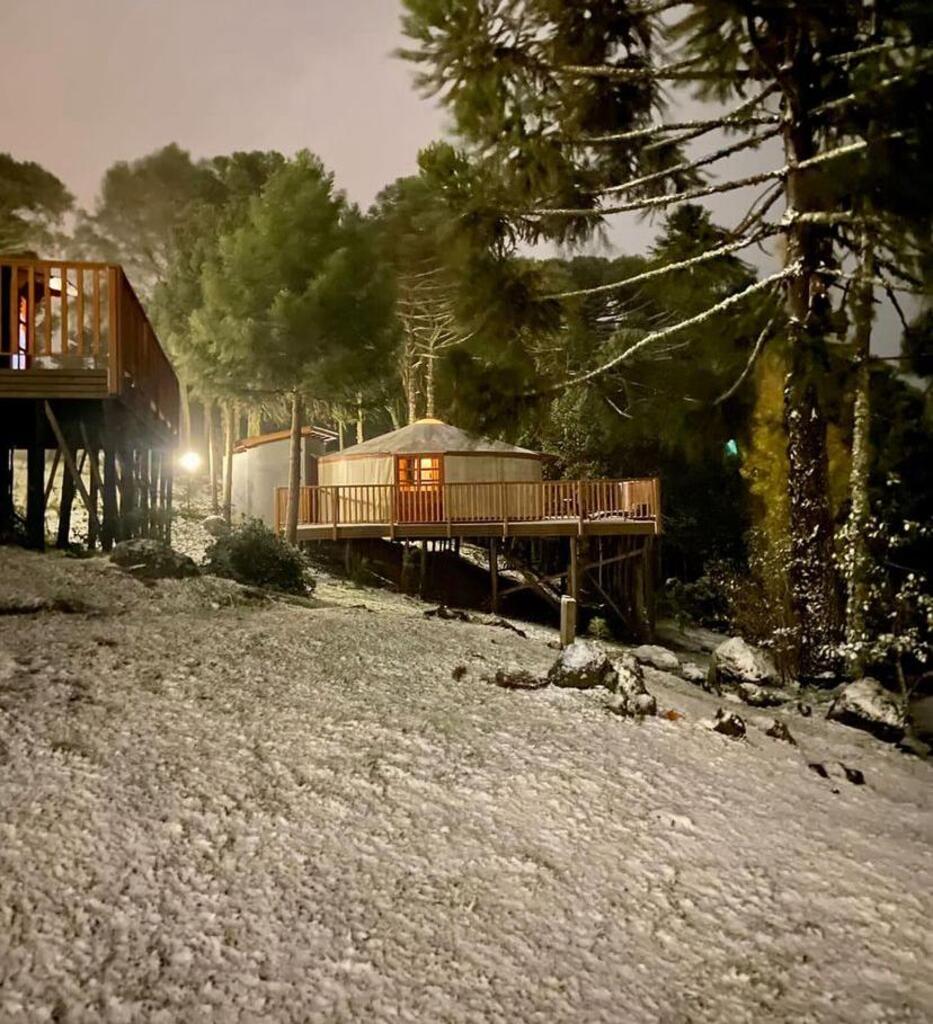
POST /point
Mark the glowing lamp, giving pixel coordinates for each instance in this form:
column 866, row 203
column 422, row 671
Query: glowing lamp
column 190, row 462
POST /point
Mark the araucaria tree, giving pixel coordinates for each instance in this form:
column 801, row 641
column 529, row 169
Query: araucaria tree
column 557, row 103
column 295, row 302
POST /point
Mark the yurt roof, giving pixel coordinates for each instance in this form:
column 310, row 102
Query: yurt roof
column 431, row 437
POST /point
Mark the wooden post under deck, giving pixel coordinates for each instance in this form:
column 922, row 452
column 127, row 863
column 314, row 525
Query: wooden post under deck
column 494, row 573
column 35, row 496
column 6, row 490
column 111, row 526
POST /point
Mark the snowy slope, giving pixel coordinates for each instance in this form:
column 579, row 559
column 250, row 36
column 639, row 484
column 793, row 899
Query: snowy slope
column 212, row 811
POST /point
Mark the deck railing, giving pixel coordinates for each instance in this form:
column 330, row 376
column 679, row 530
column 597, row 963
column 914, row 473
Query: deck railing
column 68, row 315
column 464, row 503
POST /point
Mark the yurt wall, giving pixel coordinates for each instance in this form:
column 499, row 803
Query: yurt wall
column 465, row 501
column 363, row 504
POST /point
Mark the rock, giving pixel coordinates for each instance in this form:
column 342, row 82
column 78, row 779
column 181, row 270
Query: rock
column 804, row 709
column 758, row 696
column 853, row 775
column 693, row 673
column 729, row 724
column 448, row 614
column 735, row 661
column 866, row 704
column 631, row 699
column 657, row 657
column 459, row 671
column 152, row 560
column 779, row 731
column 819, row 769
column 911, row 744
column 215, row 526
column 920, row 714
column 516, row 679
column 581, row 666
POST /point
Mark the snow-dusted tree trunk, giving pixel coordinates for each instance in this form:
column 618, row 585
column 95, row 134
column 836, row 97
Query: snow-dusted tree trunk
column 229, row 428
column 811, row 572
column 294, row 469
column 360, row 436
column 857, row 555
column 254, row 421
column 429, row 385
column 211, row 453
column 184, row 415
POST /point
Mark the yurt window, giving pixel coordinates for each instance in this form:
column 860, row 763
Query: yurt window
column 419, row 470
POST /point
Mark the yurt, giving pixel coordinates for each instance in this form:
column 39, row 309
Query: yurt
column 432, row 466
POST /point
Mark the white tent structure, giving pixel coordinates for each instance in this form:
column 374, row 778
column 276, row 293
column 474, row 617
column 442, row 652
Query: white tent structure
column 421, row 467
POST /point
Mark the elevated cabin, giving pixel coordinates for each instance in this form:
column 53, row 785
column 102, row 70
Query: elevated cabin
column 82, row 375
column 431, row 479
column 437, row 484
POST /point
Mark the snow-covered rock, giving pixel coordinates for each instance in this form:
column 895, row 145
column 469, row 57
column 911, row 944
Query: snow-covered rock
column 631, row 698
column 151, row 559
column 657, row 657
column 866, row 704
column 693, row 673
column 729, row 724
column 777, row 730
column 758, row 696
column 581, row 666
column 736, row 661
column 515, row 678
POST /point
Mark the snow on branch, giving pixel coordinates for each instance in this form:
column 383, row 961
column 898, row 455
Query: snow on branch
column 726, row 121
column 690, row 165
column 667, row 332
column 670, row 268
column 708, row 190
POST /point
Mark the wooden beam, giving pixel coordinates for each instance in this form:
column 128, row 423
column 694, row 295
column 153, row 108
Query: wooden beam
column 50, row 483
column 35, row 488
column 71, row 464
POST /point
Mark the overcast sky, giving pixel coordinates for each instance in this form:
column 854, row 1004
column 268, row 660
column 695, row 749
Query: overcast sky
column 84, row 83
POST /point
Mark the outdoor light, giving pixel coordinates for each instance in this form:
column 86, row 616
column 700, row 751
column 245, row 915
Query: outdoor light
column 190, row 462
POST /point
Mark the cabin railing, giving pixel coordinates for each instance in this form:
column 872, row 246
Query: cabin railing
column 82, row 316
column 483, row 502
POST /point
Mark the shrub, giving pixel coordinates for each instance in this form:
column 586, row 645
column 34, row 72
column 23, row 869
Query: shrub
column 599, row 629
column 253, row 554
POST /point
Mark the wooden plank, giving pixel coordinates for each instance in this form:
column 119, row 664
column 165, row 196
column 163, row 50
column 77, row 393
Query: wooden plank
column 95, row 315
column 79, row 310
column 31, row 313
column 13, row 311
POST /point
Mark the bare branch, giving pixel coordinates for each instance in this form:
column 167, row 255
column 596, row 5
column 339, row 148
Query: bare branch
column 673, row 126
column 667, row 332
column 756, row 351
column 669, row 268
column 690, row 165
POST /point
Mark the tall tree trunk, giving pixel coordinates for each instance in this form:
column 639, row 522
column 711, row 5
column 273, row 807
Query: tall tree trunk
column 294, row 470
column 254, row 422
column 858, row 556
column 211, row 453
column 360, row 437
column 229, row 429
column 412, row 396
column 812, row 575
column 393, row 415
column 429, row 386
column 340, row 444
column 184, row 416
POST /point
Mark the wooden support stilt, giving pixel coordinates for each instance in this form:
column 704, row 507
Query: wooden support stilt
column 35, row 487
column 127, row 488
column 6, row 491
column 64, row 511
column 164, row 464
column 494, row 573
column 573, row 570
column 74, row 473
column 95, row 488
column 168, row 502
column 568, row 620
column 111, row 530
column 142, row 479
column 155, row 515
column 50, row 481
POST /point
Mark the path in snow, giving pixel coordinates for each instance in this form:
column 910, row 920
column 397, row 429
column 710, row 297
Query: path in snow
column 217, row 812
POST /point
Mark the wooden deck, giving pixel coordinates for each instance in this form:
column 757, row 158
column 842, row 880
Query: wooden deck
column 549, row 508
column 76, row 330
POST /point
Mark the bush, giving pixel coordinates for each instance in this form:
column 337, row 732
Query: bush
column 253, row 554
column 599, row 629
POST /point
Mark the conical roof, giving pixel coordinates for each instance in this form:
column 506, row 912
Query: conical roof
column 429, row 437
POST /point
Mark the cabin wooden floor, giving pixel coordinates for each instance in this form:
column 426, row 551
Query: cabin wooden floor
column 607, row 527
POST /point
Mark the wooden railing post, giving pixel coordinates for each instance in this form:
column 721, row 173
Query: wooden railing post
column 580, row 511
column 336, row 502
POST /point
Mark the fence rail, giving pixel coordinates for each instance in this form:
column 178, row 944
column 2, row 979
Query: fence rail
column 73, row 316
column 465, row 503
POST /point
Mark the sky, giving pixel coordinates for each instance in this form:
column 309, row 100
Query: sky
column 91, row 82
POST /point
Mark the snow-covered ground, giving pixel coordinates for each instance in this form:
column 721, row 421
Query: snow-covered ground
column 217, row 811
